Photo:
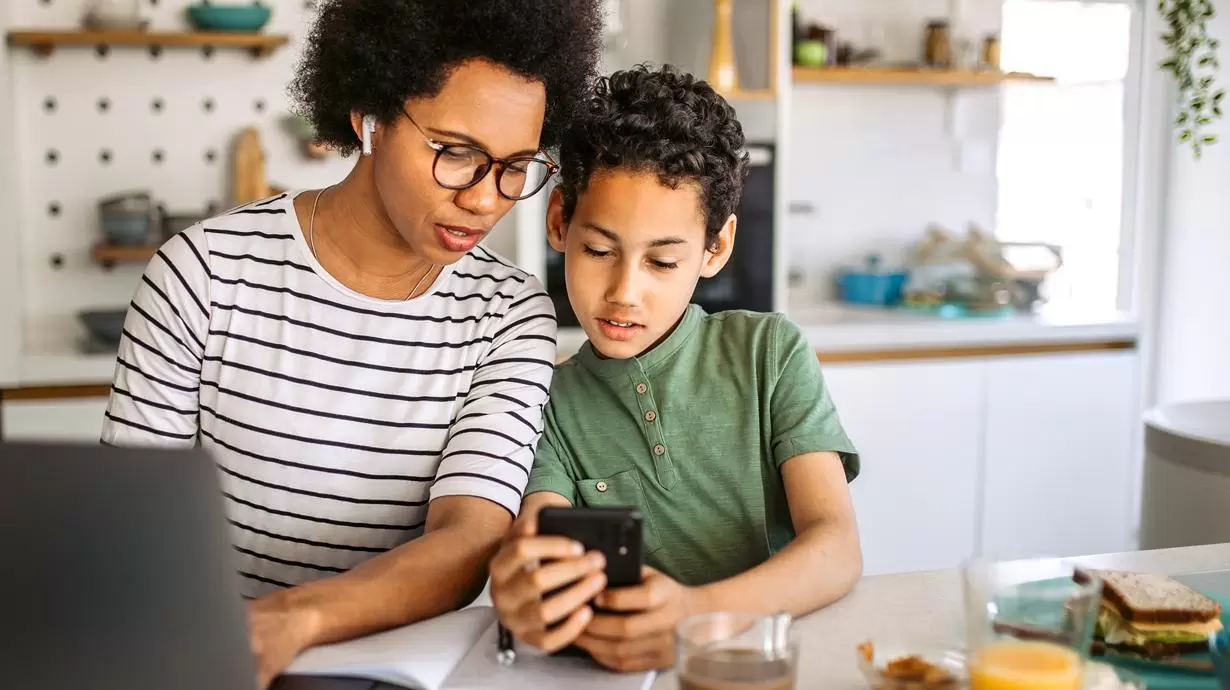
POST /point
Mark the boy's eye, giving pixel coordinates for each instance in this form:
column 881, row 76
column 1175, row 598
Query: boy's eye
column 666, row 265
column 597, row 252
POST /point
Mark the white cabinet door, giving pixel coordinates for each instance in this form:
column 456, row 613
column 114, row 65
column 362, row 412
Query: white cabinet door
column 71, row 419
column 1060, row 472
column 917, row 426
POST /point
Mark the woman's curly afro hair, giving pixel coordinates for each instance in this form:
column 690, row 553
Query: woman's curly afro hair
column 373, row 55
column 663, row 121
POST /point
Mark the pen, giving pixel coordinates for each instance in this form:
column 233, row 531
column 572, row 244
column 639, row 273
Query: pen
column 507, row 653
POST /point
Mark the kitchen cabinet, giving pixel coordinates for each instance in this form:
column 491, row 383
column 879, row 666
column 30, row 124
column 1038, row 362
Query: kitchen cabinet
column 1010, row 456
column 61, row 419
column 916, row 428
column 1060, row 467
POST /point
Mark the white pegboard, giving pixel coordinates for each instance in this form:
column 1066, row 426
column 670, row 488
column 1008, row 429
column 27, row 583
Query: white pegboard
column 243, row 92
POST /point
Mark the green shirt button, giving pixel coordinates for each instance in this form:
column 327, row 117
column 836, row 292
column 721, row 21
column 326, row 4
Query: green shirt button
column 659, row 449
column 641, row 388
column 601, row 486
column 650, row 416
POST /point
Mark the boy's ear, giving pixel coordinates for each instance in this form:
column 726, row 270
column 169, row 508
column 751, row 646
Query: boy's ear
column 718, row 253
column 556, row 228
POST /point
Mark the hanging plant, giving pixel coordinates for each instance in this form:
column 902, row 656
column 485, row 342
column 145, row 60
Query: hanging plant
column 1193, row 62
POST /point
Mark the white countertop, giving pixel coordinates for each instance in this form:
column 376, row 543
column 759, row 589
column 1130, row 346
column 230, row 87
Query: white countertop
column 842, row 328
column 830, row 328
column 925, row 609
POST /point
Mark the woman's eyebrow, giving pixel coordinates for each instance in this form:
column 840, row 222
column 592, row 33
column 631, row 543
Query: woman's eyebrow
column 467, row 139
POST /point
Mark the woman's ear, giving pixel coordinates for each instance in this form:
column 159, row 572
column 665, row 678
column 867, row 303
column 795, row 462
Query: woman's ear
column 718, row 252
column 365, row 129
column 557, row 229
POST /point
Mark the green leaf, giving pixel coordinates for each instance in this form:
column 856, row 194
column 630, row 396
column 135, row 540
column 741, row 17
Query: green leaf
column 1217, row 111
column 1204, row 62
column 1213, row 43
column 1218, row 96
column 1206, row 82
column 1209, row 138
column 1204, row 120
column 1185, row 135
column 1181, row 119
column 1169, row 63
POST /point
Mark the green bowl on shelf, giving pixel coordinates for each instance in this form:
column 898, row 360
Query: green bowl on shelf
column 247, row 17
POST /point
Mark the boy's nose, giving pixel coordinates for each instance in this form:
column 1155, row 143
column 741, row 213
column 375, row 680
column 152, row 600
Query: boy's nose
column 622, row 289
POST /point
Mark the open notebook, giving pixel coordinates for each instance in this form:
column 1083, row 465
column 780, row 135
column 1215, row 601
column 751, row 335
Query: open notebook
column 456, row 651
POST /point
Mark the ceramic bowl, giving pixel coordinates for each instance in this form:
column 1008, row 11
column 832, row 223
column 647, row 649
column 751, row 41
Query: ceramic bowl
column 208, row 16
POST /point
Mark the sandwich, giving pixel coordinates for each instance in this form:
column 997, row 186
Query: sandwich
column 1153, row 616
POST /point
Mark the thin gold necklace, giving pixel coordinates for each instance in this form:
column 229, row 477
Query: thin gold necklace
column 311, row 240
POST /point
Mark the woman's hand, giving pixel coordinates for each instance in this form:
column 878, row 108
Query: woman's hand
column 640, row 633
column 519, row 586
column 279, row 632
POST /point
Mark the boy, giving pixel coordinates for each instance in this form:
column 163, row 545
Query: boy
column 717, row 427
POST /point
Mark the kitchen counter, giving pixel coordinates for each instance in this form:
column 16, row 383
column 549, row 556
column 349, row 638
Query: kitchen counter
column 838, row 332
column 925, row 609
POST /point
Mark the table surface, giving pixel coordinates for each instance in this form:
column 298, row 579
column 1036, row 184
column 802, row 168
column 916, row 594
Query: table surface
column 922, row 608
column 925, row 608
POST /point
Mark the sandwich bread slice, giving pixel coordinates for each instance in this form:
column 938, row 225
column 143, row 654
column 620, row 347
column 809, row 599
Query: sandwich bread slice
column 1153, row 616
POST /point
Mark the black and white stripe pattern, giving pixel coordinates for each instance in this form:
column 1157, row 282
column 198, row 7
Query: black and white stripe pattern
column 333, row 417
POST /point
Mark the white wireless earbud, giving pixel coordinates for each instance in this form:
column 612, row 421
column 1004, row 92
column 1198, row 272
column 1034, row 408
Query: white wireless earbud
column 368, row 126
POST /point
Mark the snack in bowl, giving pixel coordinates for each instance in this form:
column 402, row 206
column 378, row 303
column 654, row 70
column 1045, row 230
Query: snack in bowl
column 912, row 670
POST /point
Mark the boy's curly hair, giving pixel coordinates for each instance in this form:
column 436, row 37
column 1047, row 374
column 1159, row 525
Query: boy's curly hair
column 373, row 55
column 662, row 121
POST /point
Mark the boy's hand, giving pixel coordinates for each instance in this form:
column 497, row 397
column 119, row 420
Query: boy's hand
column 519, row 584
column 641, row 636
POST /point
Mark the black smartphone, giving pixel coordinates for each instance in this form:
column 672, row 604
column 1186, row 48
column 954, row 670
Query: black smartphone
column 616, row 532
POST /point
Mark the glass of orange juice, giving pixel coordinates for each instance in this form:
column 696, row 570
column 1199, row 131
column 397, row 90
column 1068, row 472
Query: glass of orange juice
column 1029, row 624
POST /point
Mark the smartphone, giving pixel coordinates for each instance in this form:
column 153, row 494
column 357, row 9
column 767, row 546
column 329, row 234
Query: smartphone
column 616, row 532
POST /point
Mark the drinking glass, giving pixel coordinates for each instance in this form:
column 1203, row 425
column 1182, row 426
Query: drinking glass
column 720, row 650
column 1029, row 624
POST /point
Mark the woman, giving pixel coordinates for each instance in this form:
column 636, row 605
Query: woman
column 370, row 380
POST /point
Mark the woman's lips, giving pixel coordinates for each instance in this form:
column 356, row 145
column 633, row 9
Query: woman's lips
column 460, row 239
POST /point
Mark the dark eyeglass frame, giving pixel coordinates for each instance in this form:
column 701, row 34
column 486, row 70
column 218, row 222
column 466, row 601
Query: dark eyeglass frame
column 440, row 147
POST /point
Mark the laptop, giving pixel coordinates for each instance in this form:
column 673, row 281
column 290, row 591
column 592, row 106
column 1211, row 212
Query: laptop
column 117, row 572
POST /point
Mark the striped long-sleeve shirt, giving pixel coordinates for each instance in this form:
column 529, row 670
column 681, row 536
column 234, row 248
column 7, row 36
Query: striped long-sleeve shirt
column 333, row 417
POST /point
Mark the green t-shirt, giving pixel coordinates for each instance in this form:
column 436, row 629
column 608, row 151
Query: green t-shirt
column 694, row 433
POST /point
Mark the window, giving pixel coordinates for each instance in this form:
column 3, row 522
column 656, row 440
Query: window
column 1061, row 145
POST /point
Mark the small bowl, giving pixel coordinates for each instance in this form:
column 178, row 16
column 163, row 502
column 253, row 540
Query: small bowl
column 950, row 659
column 240, row 17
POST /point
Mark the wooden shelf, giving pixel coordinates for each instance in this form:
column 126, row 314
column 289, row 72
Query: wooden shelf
column 749, row 95
column 907, row 76
column 43, row 42
column 109, row 255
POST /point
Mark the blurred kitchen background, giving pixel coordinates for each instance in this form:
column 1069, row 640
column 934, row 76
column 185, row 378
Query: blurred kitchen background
column 979, row 210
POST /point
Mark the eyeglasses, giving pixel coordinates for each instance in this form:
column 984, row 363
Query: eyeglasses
column 461, row 166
